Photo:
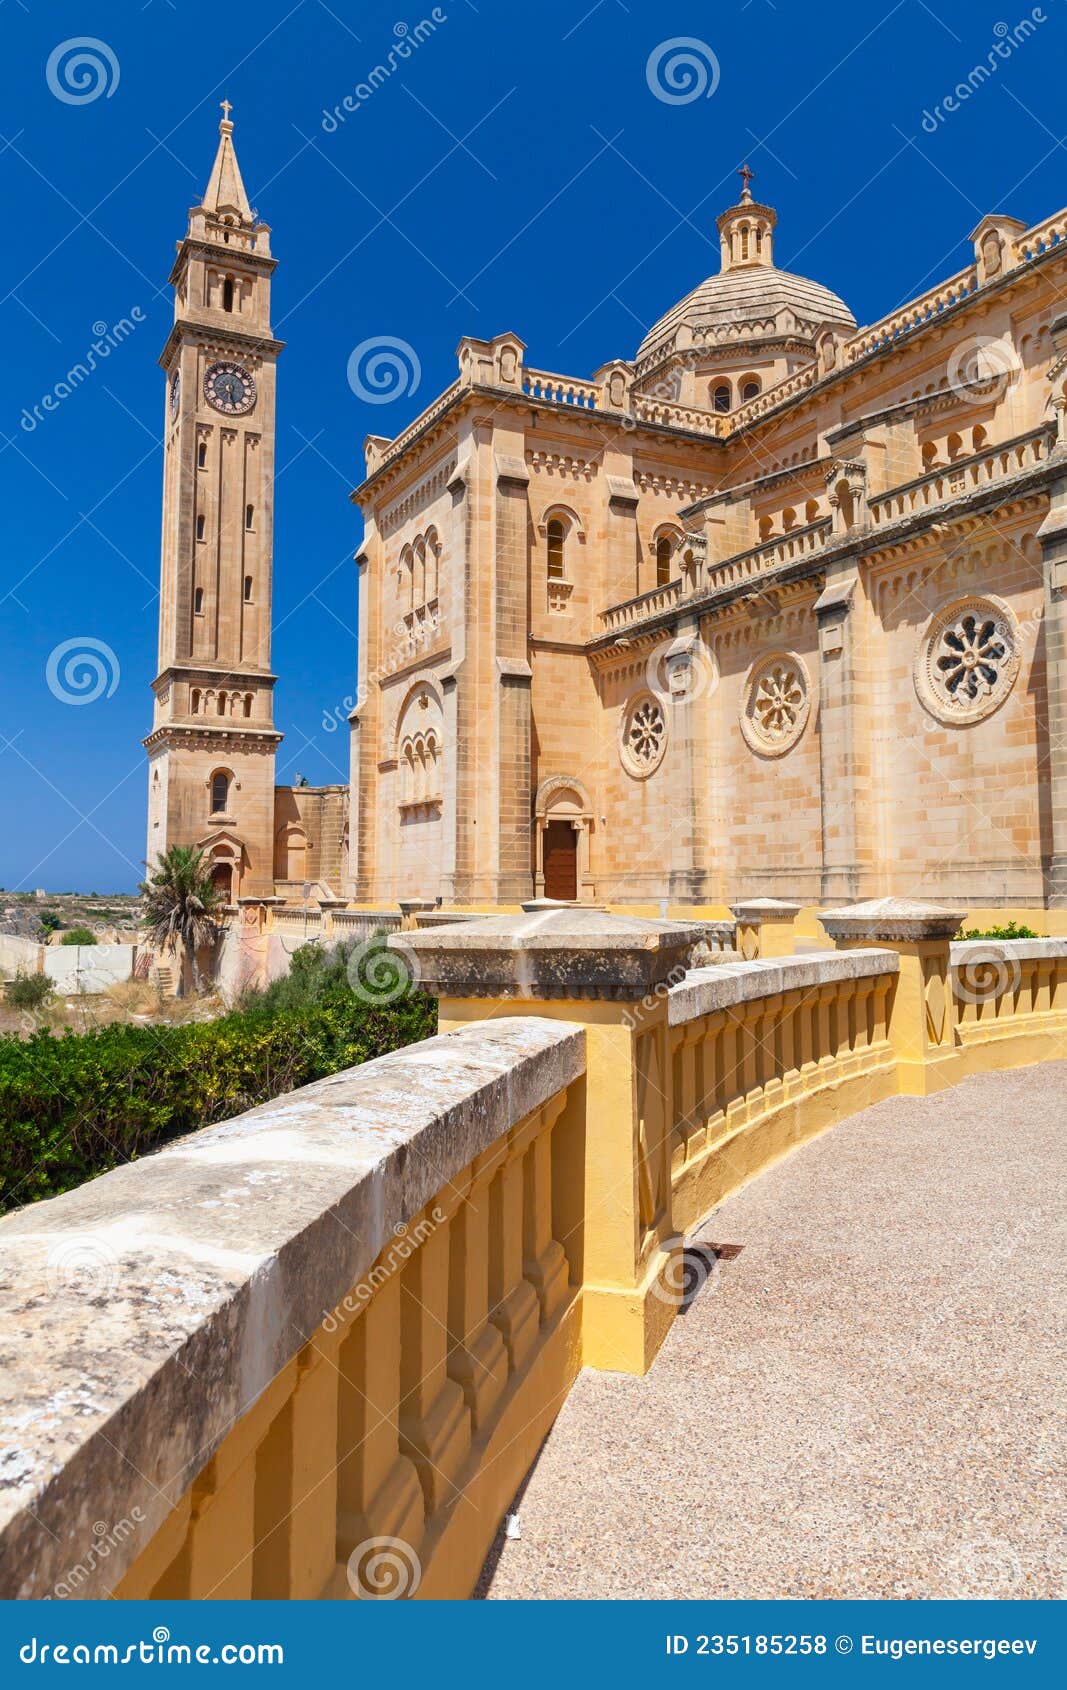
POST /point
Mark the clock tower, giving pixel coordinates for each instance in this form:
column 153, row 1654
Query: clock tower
column 212, row 745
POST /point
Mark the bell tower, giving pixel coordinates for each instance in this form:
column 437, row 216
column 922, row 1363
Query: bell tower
column 212, row 745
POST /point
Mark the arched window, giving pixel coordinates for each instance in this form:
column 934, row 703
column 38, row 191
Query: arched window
column 845, row 503
column 954, row 447
column 978, row 438
column 766, row 528
column 744, row 240
column 248, row 589
column 222, row 703
column 930, row 455
column 198, row 601
column 227, row 294
column 751, row 389
column 250, row 514
column 789, row 519
column 194, row 701
column 200, row 528
column 720, row 397
column 811, row 511
column 664, row 551
column 220, row 791
column 248, row 703
column 201, row 454
column 556, row 538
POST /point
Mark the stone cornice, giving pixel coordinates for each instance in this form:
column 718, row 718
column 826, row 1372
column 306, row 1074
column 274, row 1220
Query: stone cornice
column 190, row 328
column 204, row 738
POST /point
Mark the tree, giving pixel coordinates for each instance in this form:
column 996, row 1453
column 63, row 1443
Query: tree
column 180, row 907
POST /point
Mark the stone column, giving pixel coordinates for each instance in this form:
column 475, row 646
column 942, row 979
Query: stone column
column 685, row 666
column 611, row 974
column 1053, row 537
column 511, row 876
column 922, row 1017
column 773, row 918
column 844, row 761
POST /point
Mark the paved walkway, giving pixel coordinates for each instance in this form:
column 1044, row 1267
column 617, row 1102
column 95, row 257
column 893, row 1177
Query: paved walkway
column 862, row 1403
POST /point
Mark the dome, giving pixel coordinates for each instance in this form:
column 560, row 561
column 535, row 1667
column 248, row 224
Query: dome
column 746, row 304
column 750, row 299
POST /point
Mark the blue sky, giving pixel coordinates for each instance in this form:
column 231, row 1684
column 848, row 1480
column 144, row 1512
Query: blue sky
column 518, row 171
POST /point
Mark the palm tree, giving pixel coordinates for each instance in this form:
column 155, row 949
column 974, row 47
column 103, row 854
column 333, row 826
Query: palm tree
column 180, row 907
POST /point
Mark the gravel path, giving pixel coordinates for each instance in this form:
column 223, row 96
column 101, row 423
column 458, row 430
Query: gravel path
column 864, row 1402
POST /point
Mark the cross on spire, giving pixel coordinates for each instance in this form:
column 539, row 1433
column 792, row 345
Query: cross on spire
column 746, row 176
column 226, row 110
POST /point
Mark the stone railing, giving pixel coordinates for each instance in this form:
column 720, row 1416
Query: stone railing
column 1010, row 990
column 291, row 920
column 648, row 604
column 313, row 1351
column 339, row 1321
column 773, row 554
column 669, row 414
column 764, row 1054
column 967, row 475
column 561, row 390
column 799, row 382
column 914, row 315
column 1033, row 242
column 362, row 924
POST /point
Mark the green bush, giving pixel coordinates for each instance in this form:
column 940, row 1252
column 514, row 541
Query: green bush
column 78, row 936
column 51, row 921
column 75, row 1105
column 28, row 991
column 1011, row 931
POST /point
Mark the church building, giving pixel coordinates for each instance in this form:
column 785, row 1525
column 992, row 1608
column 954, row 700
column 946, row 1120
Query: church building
column 776, row 606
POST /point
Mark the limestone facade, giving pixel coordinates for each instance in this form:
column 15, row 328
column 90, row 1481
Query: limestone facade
column 778, row 606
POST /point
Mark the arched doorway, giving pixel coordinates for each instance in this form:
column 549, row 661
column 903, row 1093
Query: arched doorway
column 222, row 879
column 563, row 824
column 559, row 860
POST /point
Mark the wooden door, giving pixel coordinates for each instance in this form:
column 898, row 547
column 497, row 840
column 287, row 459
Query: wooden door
column 561, row 861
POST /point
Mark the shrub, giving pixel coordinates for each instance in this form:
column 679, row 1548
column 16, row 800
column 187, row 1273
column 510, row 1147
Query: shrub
column 78, row 936
column 1011, row 931
column 75, row 1105
column 28, row 991
column 51, row 921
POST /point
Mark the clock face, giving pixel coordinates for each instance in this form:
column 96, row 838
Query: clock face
column 175, row 392
column 229, row 388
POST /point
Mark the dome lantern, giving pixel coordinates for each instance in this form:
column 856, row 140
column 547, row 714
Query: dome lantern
column 746, row 230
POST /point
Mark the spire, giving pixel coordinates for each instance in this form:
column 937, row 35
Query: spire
column 225, row 190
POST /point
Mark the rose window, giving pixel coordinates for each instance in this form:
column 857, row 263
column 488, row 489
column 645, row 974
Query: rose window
column 777, row 704
column 968, row 661
column 643, row 736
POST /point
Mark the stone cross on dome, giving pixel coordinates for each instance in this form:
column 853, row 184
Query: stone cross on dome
column 746, row 176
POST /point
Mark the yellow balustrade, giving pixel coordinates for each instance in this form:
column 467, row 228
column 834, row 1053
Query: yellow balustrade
column 337, row 1329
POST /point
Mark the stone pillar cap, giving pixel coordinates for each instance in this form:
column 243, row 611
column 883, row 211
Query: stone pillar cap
column 564, row 952
column 892, row 918
column 410, row 906
column 765, row 909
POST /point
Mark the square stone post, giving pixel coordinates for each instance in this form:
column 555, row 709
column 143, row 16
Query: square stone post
column 922, row 1016
column 611, row 974
column 772, row 919
column 1053, row 537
